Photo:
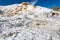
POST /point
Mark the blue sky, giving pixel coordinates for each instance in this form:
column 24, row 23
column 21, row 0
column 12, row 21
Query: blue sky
column 44, row 3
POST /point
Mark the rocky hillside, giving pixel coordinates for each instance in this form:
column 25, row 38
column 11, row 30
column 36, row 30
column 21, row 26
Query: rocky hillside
column 27, row 22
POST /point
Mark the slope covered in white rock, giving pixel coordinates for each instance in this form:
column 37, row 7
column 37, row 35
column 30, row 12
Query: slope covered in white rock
column 27, row 22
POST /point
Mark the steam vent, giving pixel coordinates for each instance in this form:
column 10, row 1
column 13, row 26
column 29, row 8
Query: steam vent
column 28, row 22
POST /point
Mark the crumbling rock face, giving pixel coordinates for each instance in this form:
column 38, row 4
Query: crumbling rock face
column 27, row 22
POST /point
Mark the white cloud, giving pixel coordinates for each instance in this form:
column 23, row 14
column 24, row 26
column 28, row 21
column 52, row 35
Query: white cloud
column 34, row 2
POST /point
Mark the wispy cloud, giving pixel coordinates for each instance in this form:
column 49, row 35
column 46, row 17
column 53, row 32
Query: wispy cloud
column 34, row 2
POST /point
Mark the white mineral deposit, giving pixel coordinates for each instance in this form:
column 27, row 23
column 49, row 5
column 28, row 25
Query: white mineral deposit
column 27, row 22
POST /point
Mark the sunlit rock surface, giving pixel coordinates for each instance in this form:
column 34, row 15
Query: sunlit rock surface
column 27, row 22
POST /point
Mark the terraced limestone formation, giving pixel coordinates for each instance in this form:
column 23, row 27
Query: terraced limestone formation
column 27, row 22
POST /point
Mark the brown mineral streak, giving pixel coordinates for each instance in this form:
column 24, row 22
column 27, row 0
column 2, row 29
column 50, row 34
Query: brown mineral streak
column 24, row 7
column 17, row 10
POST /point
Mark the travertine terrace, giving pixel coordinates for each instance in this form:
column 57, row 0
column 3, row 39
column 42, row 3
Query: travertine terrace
column 27, row 22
